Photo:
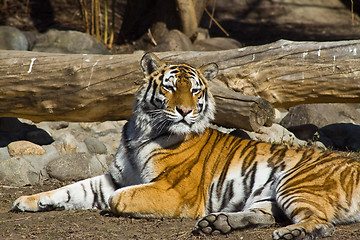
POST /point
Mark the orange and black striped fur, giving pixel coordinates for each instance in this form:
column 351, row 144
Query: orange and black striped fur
column 171, row 164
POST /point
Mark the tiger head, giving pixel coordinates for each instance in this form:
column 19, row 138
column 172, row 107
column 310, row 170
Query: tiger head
column 175, row 96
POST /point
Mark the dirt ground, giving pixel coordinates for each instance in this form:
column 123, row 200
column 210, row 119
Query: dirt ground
column 93, row 224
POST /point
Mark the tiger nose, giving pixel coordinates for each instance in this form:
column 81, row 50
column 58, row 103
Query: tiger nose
column 183, row 111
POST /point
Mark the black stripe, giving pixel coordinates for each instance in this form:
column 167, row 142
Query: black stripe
column 227, row 195
column 102, row 196
column 84, row 190
column 250, row 175
column 68, row 195
column 151, row 79
column 95, row 199
column 210, row 196
column 117, row 185
column 152, row 101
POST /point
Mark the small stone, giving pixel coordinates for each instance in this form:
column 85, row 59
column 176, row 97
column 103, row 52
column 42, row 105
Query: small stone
column 104, row 128
column 58, row 125
column 25, row 148
column 87, row 126
column 95, row 146
column 68, row 144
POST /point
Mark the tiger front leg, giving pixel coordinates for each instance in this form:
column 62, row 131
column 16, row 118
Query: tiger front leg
column 86, row 194
column 225, row 222
column 155, row 199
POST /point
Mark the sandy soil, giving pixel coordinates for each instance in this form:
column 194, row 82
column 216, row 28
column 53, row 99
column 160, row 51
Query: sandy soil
column 93, row 224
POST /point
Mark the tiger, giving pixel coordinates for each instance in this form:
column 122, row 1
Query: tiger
column 171, row 163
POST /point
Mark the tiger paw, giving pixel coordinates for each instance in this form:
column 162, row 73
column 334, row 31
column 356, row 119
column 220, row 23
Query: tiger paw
column 290, row 232
column 213, row 224
column 32, row 204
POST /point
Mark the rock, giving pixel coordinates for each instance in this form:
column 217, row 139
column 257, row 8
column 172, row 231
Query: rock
column 95, row 146
column 200, row 34
column 88, row 126
column 9, row 124
column 39, row 137
column 111, row 141
column 99, row 164
column 18, row 172
column 341, row 136
column 31, row 38
column 280, row 113
column 12, row 39
column 67, row 143
column 102, row 128
column 39, row 162
column 174, row 41
column 321, row 115
column 25, row 148
column 277, row 134
column 74, row 167
column 58, row 125
column 4, row 154
column 216, row 44
column 69, row 42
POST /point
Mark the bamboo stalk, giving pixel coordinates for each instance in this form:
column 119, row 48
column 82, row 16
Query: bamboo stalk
column 97, row 19
column 112, row 29
column 105, row 21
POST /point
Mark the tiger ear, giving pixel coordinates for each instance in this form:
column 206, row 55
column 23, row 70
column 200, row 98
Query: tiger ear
column 149, row 63
column 209, row 71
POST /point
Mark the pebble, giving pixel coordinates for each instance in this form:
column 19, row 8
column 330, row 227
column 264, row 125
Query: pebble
column 95, row 146
column 68, row 144
column 25, row 148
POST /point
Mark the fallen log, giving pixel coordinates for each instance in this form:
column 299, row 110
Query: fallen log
column 80, row 87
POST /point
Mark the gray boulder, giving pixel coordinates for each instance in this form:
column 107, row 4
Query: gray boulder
column 12, row 39
column 174, row 41
column 95, row 146
column 18, row 172
column 216, row 44
column 321, row 115
column 56, row 41
column 74, row 167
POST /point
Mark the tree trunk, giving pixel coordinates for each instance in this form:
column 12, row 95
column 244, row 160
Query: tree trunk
column 156, row 17
column 76, row 87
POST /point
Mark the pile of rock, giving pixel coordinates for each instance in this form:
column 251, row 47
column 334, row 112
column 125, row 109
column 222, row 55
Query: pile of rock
column 69, row 41
column 52, row 41
column 66, row 151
